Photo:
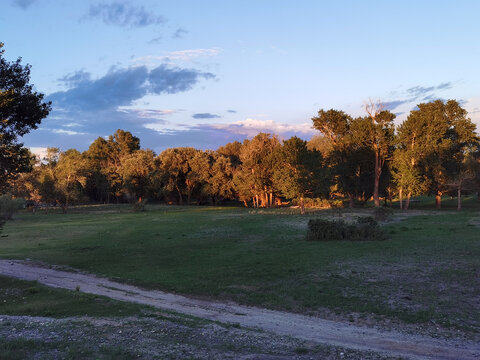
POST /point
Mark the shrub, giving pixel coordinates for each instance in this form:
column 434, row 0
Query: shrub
column 9, row 206
column 382, row 213
column 139, row 205
column 363, row 229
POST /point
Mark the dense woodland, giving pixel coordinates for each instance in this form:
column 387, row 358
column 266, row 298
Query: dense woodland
column 434, row 151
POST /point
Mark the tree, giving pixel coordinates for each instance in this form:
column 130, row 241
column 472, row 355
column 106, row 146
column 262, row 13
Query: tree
column 136, row 170
column 105, row 161
column 376, row 132
column 70, row 177
column 438, row 136
column 299, row 172
column 333, row 124
column 254, row 178
column 175, row 166
column 21, row 110
column 346, row 152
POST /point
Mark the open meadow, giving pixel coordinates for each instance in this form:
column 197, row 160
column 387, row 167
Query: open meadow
column 423, row 278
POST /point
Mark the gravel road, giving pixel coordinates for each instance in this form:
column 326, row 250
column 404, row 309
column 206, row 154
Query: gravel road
column 302, row 327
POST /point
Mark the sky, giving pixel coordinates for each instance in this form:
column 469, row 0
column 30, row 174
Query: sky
column 204, row 73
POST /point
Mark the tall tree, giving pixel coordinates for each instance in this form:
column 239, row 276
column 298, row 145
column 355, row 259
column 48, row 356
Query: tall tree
column 376, row 132
column 299, row 172
column 70, row 177
column 136, row 170
column 438, row 135
column 254, row 177
column 175, row 165
column 21, row 110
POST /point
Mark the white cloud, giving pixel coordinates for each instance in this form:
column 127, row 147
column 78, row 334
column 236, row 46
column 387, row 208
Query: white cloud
column 160, row 128
column 472, row 105
column 38, row 151
column 251, row 127
column 67, row 132
column 72, row 124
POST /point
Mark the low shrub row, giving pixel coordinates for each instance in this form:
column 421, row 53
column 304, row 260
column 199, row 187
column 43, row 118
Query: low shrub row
column 363, row 229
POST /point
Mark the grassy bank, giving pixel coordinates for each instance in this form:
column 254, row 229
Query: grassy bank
column 427, row 270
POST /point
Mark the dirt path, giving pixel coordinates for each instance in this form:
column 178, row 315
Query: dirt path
column 282, row 323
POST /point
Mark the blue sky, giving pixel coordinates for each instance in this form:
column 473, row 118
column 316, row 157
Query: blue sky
column 203, row 73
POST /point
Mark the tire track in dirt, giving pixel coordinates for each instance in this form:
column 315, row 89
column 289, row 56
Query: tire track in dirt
column 282, row 323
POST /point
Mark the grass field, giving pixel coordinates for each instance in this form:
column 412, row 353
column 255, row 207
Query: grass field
column 427, row 271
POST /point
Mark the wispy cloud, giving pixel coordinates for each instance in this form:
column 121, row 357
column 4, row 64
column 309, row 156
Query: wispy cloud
column 120, row 13
column 23, row 4
column 156, row 114
column 179, row 33
column 417, row 94
column 205, row 116
column 174, row 56
column 67, row 132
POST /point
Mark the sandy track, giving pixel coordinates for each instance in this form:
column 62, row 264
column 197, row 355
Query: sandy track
column 282, row 323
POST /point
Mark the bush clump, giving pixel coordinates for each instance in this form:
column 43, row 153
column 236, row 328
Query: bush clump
column 139, row 206
column 363, row 229
column 382, row 213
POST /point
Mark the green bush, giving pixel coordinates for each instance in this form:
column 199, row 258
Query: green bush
column 382, row 213
column 139, row 206
column 363, row 229
column 9, row 206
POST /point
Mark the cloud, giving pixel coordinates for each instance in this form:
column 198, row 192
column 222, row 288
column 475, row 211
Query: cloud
column 205, row 116
column 181, row 55
column 173, row 80
column 67, row 132
column 418, row 93
column 156, row 40
column 232, row 111
column 23, row 4
column 251, row 127
column 122, row 14
column 179, row 33
column 39, row 151
column 149, row 113
column 120, row 87
column 390, row 105
column 76, row 78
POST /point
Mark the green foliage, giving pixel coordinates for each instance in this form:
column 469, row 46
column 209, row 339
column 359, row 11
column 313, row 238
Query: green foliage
column 363, row 229
column 139, row 206
column 21, row 110
column 262, row 259
column 382, row 213
column 9, row 206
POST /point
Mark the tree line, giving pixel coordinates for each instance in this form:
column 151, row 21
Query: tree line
column 434, row 151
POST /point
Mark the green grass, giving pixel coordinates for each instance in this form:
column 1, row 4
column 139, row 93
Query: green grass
column 19, row 297
column 427, row 270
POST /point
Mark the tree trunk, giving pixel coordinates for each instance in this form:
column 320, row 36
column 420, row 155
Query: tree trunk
column 438, row 200
column 245, row 203
column 376, row 185
column 459, row 197
column 271, row 199
column 256, row 200
column 350, row 201
column 302, row 206
column 400, row 197
column 180, row 197
column 407, row 203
